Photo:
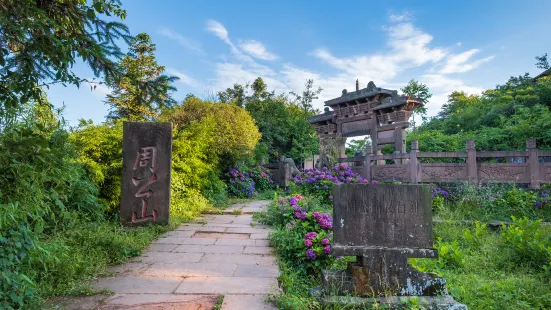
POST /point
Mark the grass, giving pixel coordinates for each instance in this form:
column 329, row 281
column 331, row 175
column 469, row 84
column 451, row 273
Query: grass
column 76, row 256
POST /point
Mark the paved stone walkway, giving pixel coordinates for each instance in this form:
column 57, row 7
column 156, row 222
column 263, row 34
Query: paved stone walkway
column 190, row 267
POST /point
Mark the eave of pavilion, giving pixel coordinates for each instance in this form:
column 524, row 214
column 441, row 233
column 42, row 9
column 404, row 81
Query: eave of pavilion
column 360, row 96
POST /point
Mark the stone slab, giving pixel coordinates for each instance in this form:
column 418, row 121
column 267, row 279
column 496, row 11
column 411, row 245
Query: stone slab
column 257, row 250
column 75, row 302
column 188, row 248
column 190, row 270
column 385, row 215
column 260, row 236
column 141, row 299
column 203, row 228
column 262, row 242
column 139, row 285
column 256, row 271
column 226, row 285
column 145, row 185
column 220, row 235
column 241, row 302
column 242, row 259
column 179, row 234
column 205, row 241
column 162, row 247
column 246, row 242
column 128, row 268
column 163, row 257
column 249, row 230
column 170, row 240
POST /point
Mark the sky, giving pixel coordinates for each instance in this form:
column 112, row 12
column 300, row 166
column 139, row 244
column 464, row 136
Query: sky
column 448, row 45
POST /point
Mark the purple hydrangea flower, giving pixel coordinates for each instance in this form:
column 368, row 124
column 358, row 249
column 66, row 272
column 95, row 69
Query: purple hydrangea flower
column 310, row 235
column 538, row 204
column 308, row 243
column 325, row 241
column 310, row 254
column 327, row 249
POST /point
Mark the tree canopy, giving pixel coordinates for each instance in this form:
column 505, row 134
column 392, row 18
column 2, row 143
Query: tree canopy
column 41, row 40
column 282, row 121
column 142, row 90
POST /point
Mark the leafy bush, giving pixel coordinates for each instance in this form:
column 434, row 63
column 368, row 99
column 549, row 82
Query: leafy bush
column 100, row 150
column 314, row 182
column 304, row 237
column 529, row 243
column 475, row 235
column 17, row 241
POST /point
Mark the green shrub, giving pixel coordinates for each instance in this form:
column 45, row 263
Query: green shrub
column 100, row 150
column 17, row 241
column 188, row 205
column 475, row 235
column 530, row 244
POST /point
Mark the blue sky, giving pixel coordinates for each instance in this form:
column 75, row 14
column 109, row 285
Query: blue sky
column 448, row 45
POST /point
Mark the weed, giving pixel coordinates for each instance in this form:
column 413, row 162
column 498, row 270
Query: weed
column 219, row 302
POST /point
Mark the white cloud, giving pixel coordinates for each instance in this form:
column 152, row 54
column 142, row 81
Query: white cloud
column 218, row 29
column 441, row 87
column 459, row 63
column 256, row 49
column 183, row 41
column 408, row 47
column 183, row 78
column 398, row 18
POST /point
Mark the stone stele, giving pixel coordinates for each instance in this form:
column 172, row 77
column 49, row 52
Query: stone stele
column 147, row 158
column 383, row 225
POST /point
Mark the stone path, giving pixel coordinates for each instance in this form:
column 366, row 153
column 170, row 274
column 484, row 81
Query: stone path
column 190, row 267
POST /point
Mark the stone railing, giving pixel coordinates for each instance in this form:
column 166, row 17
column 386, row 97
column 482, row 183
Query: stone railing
column 522, row 167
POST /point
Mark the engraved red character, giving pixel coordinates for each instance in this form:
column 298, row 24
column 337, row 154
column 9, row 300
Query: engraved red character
column 146, row 158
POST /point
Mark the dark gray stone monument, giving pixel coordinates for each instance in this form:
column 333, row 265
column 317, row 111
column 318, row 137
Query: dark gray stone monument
column 147, row 159
column 383, row 225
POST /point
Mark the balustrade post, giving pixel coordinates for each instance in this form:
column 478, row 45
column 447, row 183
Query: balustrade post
column 533, row 163
column 472, row 168
column 367, row 169
column 413, row 162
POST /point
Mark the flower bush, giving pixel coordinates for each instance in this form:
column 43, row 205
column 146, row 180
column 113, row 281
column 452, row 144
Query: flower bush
column 438, row 197
column 306, row 237
column 316, row 182
column 246, row 183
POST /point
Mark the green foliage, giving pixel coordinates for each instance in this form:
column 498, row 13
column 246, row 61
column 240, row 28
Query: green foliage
column 142, row 90
column 40, row 41
column 475, row 236
column 17, row 241
column 357, row 147
column 496, row 202
column 188, row 205
column 499, row 119
column 418, row 90
column 234, row 133
column 100, row 150
column 530, row 244
column 283, row 122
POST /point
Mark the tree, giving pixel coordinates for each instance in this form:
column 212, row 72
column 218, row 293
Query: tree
column 235, row 95
column 235, row 134
column 357, row 147
column 420, row 91
column 542, row 62
column 142, row 91
column 41, row 40
column 304, row 101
